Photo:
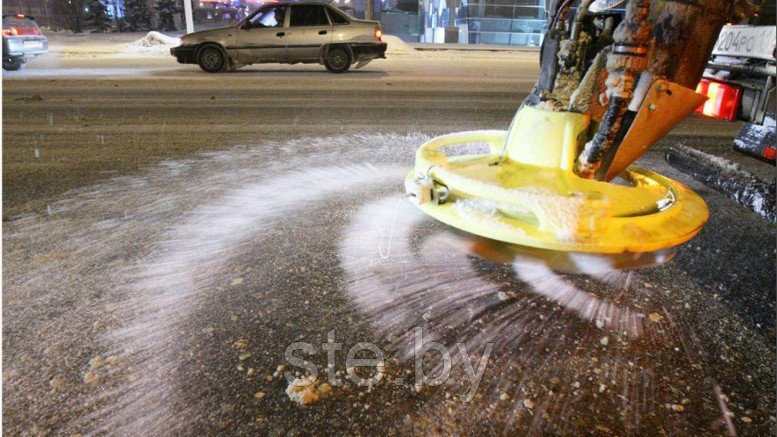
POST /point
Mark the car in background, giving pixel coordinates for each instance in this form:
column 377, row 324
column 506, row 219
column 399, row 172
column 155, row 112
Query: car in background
column 22, row 41
column 286, row 32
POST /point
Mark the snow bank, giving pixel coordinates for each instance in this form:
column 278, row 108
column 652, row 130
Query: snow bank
column 154, row 43
column 396, row 45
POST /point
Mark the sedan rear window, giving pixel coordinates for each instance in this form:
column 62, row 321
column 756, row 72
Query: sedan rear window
column 308, row 15
column 18, row 22
column 337, row 17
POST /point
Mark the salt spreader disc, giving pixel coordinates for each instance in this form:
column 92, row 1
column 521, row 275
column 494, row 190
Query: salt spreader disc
column 524, row 191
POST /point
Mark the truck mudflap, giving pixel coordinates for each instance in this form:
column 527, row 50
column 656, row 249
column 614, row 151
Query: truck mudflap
column 758, row 140
column 726, row 178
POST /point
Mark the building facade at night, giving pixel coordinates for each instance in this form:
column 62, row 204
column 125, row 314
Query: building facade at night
column 513, row 22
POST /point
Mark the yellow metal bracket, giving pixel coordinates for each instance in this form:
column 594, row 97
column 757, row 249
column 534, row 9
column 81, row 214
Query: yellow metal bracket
column 665, row 105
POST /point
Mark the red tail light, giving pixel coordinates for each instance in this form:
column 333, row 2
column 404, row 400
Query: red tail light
column 722, row 99
column 14, row 31
column 25, row 31
column 378, row 33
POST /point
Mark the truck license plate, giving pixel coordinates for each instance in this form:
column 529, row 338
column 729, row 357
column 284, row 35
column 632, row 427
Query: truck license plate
column 749, row 41
column 33, row 45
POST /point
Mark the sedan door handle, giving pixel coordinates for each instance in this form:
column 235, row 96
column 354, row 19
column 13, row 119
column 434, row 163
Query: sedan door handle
column 323, row 32
column 280, row 34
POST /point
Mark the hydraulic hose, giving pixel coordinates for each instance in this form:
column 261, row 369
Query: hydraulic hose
column 728, row 179
column 582, row 11
column 627, row 60
column 548, row 51
column 571, row 59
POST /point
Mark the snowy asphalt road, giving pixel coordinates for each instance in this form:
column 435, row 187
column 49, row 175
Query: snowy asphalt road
column 161, row 300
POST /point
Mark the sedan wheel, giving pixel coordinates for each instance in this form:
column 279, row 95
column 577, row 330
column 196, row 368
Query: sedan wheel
column 337, row 60
column 12, row 65
column 212, row 59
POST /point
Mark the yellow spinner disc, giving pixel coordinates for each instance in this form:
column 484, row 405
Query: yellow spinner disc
column 524, row 192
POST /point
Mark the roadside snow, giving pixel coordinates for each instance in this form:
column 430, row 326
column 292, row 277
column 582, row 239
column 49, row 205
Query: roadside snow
column 757, row 133
column 154, row 43
column 396, row 46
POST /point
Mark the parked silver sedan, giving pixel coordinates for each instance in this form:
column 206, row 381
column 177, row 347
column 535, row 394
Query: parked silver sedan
column 286, row 32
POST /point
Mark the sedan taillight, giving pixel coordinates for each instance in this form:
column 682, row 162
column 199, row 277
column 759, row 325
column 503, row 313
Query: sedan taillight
column 15, row 31
column 378, row 33
column 26, row 31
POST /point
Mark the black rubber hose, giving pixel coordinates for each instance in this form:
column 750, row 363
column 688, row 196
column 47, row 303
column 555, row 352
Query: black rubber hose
column 594, row 150
column 726, row 178
column 548, row 53
column 624, row 65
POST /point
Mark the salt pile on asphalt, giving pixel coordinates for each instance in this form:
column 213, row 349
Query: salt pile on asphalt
column 306, row 391
column 154, row 43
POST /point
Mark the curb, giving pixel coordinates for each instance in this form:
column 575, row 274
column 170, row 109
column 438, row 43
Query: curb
column 473, row 48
